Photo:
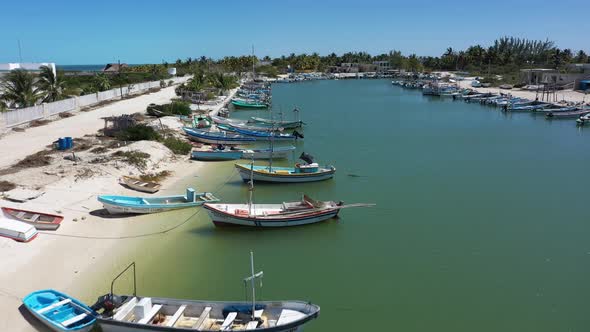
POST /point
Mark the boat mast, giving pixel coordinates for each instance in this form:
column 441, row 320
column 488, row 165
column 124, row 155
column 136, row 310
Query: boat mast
column 252, row 279
column 251, row 188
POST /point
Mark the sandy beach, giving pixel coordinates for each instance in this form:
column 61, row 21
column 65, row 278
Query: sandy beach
column 563, row 95
column 81, row 257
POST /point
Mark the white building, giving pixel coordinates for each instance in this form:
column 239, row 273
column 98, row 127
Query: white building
column 30, row 66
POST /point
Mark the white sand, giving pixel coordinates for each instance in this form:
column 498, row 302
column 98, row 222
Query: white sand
column 82, row 256
column 564, row 95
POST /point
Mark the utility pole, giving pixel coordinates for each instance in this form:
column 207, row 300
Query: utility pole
column 20, row 54
column 120, row 83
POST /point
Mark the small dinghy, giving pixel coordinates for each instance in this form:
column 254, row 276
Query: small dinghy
column 129, row 204
column 139, row 185
column 60, row 312
column 41, row 221
column 17, row 230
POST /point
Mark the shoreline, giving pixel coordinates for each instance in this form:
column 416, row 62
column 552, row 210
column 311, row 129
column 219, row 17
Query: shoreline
column 88, row 250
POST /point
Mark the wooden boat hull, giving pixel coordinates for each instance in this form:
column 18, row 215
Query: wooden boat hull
column 217, row 155
column 143, row 186
column 84, row 325
column 283, row 174
column 43, row 221
column 222, row 218
column 304, row 312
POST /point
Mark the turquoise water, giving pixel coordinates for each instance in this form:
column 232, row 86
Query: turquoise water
column 481, row 221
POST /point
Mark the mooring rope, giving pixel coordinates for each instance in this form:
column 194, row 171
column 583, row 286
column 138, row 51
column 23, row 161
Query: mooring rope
column 219, row 188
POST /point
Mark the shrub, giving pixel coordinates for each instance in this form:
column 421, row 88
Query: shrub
column 177, row 146
column 6, row 186
column 173, row 108
column 155, row 177
column 135, row 158
column 170, row 83
column 162, row 84
column 139, row 132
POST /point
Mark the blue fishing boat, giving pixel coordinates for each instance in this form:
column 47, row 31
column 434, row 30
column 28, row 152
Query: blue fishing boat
column 217, row 137
column 262, row 135
column 59, row 311
column 130, row 204
column 217, row 154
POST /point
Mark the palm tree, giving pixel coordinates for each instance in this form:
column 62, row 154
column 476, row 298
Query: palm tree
column 102, row 82
column 19, row 89
column 51, row 86
column 222, row 82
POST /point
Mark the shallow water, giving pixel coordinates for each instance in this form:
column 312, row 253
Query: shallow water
column 481, row 221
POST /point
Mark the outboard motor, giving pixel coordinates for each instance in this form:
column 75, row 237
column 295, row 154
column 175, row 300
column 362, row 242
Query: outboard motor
column 306, row 157
column 107, row 303
column 297, row 134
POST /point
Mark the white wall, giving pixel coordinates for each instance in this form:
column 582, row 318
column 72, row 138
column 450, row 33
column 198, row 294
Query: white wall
column 24, row 115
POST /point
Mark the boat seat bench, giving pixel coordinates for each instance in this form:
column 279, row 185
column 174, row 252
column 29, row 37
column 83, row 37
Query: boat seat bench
column 53, row 306
column 73, row 320
column 229, row 320
column 201, row 320
column 176, row 316
column 150, row 314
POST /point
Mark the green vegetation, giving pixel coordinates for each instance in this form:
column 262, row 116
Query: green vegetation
column 173, row 108
column 52, row 87
column 139, row 132
column 135, row 158
column 178, row 146
column 18, row 89
column 155, row 177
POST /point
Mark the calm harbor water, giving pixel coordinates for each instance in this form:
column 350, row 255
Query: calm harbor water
column 481, row 221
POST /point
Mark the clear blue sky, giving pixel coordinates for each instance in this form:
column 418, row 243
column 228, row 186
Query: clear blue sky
column 96, row 32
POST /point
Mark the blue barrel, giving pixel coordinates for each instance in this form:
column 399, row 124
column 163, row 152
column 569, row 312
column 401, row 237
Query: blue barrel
column 69, row 142
column 61, row 144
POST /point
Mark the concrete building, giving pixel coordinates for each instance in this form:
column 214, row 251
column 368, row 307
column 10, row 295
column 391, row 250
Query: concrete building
column 573, row 75
column 382, row 66
column 30, row 66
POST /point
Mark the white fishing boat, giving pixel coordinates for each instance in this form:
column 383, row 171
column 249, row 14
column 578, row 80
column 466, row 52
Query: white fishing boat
column 17, row 230
column 129, row 313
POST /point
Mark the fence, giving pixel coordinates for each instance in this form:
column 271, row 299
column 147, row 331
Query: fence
column 24, row 115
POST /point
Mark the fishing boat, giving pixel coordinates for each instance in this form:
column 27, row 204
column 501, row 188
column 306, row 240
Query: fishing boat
column 306, row 172
column 243, row 103
column 60, row 312
column 139, row 185
column 567, row 115
column 584, row 119
column 129, row 313
column 129, row 204
column 41, row 221
column 305, row 211
column 281, row 152
column 262, row 135
column 277, row 123
column 219, row 153
column 217, row 137
column 555, row 110
column 17, row 230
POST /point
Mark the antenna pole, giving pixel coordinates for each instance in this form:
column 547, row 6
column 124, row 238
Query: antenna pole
column 253, row 286
column 20, row 53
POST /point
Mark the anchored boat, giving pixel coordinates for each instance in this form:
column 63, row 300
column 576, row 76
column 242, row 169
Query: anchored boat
column 129, row 204
column 242, row 103
column 217, row 137
column 307, row 172
column 130, row 313
column 216, row 154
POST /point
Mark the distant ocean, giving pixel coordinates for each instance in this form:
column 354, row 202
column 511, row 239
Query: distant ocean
column 83, row 67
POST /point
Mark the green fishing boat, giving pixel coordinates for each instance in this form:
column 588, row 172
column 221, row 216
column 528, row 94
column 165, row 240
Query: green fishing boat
column 241, row 103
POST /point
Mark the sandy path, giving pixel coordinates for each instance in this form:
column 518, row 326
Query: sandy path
column 17, row 145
